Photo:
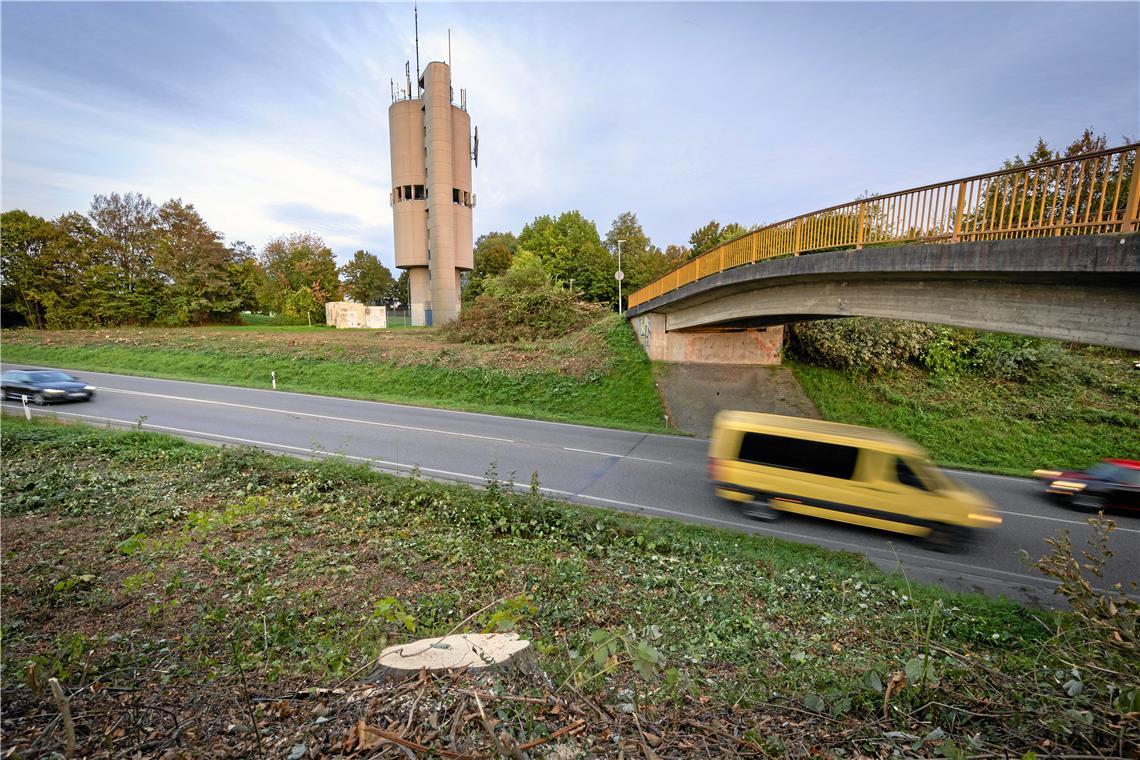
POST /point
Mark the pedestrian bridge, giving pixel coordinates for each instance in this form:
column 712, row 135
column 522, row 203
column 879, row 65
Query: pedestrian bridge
column 1048, row 250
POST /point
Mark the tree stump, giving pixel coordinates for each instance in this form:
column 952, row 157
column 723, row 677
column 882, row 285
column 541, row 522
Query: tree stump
column 473, row 651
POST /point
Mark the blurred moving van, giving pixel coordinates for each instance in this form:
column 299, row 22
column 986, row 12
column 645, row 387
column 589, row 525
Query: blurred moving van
column 841, row 472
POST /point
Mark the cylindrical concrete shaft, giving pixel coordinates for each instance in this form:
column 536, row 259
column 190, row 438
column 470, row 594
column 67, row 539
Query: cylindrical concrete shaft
column 441, row 219
column 406, row 129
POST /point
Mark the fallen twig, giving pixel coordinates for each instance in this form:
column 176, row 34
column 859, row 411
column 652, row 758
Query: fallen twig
column 65, row 713
column 573, row 728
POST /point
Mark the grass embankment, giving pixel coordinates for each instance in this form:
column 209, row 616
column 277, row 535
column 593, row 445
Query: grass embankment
column 597, row 376
column 1068, row 418
column 183, row 593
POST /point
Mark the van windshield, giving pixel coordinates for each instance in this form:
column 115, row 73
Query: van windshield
column 932, row 475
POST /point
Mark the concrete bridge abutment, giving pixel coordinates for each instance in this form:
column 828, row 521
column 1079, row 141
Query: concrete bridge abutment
column 751, row 345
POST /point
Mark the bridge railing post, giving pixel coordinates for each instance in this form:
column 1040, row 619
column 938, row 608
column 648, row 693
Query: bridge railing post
column 958, row 211
column 797, row 245
column 859, row 230
column 1131, row 221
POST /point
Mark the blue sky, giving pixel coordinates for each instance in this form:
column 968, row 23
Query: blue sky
column 272, row 117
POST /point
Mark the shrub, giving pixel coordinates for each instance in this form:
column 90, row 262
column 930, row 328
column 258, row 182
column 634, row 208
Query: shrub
column 520, row 304
column 879, row 345
column 1013, row 357
column 867, row 345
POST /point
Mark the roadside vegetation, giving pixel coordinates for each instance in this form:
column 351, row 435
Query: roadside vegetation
column 596, row 374
column 182, row 595
column 975, row 400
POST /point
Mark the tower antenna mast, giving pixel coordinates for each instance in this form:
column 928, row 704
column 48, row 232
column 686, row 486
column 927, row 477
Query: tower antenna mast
column 416, row 10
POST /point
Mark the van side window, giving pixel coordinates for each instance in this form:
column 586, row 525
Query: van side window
column 827, row 459
column 907, row 476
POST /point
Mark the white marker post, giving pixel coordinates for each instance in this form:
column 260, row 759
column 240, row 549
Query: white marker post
column 273, row 377
column 27, row 409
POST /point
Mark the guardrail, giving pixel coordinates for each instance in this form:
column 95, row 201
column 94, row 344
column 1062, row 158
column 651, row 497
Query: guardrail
column 1093, row 193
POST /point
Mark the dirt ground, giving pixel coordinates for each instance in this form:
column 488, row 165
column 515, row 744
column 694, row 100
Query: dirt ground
column 694, row 393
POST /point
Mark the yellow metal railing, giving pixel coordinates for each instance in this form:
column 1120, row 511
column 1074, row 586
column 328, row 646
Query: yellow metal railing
column 1093, row 193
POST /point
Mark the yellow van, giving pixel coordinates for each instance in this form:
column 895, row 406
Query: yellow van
column 840, row 472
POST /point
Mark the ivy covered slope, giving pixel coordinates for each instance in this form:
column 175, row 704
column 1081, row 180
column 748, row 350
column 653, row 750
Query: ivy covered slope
column 975, row 400
column 595, row 374
column 182, row 594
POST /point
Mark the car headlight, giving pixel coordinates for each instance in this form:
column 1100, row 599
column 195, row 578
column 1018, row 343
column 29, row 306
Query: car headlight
column 89, row 387
column 1067, row 486
column 54, row 391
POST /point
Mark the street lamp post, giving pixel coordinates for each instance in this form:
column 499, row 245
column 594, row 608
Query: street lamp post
column 619, row 275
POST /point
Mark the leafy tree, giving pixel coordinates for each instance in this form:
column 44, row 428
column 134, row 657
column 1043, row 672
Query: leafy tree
column 247, row 276
column 1025, row 198
column 641, row 261
column 130, row 222
column 571, row 249
column 296, row 262
column 400, row 292
column 522, row 303
column 366, row 279
column 493, row 254
column 197, row 266
column 525, row 274
column 305, row 301
column 704, row 238
column 677, row 255
column 712, row 234
column 82, row 285
column 21, row 248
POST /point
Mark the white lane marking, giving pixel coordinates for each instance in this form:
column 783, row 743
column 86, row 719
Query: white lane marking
column 503, row 440
column 971, row 474
column 426, row 409
column 307, row 414
column 1060, row 520
column 845, row 545
column 267, row 445
column 615, row 456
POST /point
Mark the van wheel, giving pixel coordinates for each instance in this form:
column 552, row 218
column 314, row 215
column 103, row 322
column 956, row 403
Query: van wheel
column 948, row 538
column 760, row 509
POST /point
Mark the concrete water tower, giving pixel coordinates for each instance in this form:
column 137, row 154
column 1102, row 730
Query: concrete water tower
column 432, row 200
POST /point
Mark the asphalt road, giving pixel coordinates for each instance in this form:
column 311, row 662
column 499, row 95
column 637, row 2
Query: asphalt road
column 654, row 475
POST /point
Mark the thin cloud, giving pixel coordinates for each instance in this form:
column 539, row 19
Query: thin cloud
column 272, row 117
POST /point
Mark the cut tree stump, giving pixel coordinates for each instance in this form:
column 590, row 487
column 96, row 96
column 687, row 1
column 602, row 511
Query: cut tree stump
column 474, row 651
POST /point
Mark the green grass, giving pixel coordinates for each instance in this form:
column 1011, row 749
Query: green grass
column 127, row 550
column 623, row 395
column 275, row 320
column 975, row 423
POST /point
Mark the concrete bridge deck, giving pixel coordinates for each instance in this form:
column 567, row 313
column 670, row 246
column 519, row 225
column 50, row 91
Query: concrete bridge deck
column 1080, row 288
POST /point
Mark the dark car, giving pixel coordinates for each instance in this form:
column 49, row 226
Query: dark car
column 43, row 386
column 1109, row 484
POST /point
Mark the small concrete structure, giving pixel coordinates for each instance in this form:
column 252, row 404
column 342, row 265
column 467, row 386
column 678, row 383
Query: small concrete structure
column 349, row 314
column 465, row 650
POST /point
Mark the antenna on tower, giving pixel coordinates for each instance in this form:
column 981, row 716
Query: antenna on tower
column 416, row 10
column 408, row 76
column 449, row 47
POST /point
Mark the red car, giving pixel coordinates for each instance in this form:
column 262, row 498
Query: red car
column 1109, row 484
